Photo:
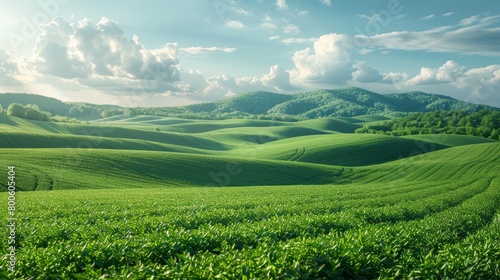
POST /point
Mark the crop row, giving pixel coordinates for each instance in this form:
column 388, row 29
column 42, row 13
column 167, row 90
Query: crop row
column 167, row 234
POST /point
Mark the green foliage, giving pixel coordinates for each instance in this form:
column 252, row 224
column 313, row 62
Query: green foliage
column 485, row 123
column 30, row 112
column 64, row 119
column 51, row 105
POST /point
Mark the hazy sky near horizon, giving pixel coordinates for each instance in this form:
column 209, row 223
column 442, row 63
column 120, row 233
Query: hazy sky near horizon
column 167, row 53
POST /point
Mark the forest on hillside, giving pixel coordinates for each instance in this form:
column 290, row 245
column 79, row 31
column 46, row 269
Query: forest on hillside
column 485, row 123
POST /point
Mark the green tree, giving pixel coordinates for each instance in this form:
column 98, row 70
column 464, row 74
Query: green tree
column 495, row 134
column 16, row 110
column 32, row 114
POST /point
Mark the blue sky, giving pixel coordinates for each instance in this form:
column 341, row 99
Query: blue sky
column 166, row 53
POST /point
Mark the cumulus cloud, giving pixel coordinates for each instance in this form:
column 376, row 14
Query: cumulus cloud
column 277, row 78
column 204, row 50
column 327, row 63
column 480, row 85
column 365, row 73
column 394, row 77
column 482, row 82
column 448, row 72
column 221, row 86
column 102, row 56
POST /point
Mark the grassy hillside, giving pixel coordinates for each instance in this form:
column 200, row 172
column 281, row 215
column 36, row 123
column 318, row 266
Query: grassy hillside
column 450, row 139
column 347, row 102
column 129, row 152
column 343, row 149
column 149, row 197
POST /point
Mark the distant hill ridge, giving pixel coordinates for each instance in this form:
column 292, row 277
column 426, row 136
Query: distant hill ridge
column 346, row 102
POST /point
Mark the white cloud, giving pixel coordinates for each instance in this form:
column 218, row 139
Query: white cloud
column 475, row 39
column 394, row 78
column 221, row 86
column 398, row 17
column 268, row 23
column 365, row 51
column 365, row 73
column 277, row 78
column 448, row 14
column 281, row 4
column 480, row 20
column 235, row 24
column 302, row 12
column 370, row 18
column 289, row 41
column 204, row 50
column 428, row 17
column 8, row 69
column 326, row 2
column 274, row 38
column 328, row 63
column 101, row 56
column 241, row 11
column 448, row 72
column 479, row 76
column 480, row 85
column 291, row 29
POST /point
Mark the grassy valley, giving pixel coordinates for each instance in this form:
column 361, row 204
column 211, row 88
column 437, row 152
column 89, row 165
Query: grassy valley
column 287, row 190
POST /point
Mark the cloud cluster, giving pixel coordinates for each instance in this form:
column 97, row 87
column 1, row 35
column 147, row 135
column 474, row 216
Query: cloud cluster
column 474, row 39
column 327, row 63
column 449, row 72
column 278, row 79
column 102, row 56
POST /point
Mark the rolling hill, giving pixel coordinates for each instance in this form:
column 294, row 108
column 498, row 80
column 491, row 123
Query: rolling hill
column 156, row 151
column 154, row 196
column 347, row 102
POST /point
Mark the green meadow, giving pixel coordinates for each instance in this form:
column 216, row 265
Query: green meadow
column 152, row 197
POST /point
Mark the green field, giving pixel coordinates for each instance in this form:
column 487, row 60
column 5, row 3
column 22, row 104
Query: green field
column 151, row 197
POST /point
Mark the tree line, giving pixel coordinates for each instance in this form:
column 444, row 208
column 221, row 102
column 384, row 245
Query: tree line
column 30, row 112
column 484, row 123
